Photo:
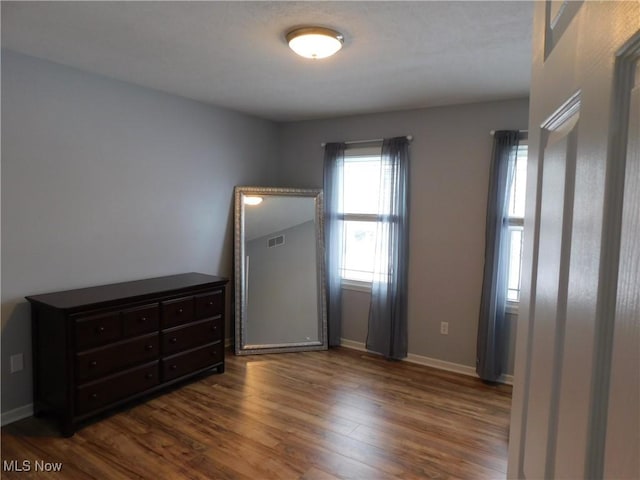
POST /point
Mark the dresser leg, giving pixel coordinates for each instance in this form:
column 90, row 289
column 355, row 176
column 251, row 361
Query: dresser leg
column 220, row 368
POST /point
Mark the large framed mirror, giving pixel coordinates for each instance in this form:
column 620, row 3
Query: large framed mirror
column 279, row 271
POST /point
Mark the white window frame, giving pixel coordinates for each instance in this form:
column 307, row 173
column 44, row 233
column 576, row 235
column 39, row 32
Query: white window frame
column 516, row 223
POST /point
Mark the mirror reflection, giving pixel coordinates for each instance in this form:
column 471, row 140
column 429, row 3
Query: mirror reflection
column 279, row 270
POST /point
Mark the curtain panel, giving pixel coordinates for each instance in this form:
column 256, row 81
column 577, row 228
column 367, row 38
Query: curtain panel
column 491, row 342
column 387, row 330
column 334, row 241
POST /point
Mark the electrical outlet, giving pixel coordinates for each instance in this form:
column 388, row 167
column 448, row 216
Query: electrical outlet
column 16, row 362
column 444, row 328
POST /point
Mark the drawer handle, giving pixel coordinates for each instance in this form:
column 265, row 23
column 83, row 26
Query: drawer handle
column 173, row 340
column 149, row 376
column 214, row 328
column 93, row 363
column 211, row 303
column 94, row 396
column 142, row 319
column 148, row 347
column 100, row 330
column 180, row 310
column 173, row 367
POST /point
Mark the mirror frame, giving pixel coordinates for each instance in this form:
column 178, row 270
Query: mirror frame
column 241, row 347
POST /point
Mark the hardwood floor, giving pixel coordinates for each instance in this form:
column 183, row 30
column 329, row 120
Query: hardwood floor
column 312, row 415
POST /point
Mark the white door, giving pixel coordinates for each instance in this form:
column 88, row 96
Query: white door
column 576, row 399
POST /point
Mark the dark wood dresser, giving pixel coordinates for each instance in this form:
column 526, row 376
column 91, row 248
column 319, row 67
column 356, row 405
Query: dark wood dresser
column 97, row 348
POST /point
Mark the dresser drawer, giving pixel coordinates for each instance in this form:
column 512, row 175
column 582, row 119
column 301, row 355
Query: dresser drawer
column 177, row 312
column 184, row 363
column 209, row 304
column 92, row 396
column 104, row 360
column 97, row 330
column 183, row 338
column 139, row 320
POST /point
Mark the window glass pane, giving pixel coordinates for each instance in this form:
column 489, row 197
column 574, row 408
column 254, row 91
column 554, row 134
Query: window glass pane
column 519, row 184
column 362, row 194
column 515, row 264
column 361, row 184
column 359, row 250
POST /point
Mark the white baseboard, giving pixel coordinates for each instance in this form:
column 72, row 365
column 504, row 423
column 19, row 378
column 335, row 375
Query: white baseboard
column 16, row 414
column 353, row 345
column 429, row 362
column 441, row 364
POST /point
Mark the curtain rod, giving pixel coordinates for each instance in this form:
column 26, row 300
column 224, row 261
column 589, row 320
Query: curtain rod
column 493, row 132
column 374, row 140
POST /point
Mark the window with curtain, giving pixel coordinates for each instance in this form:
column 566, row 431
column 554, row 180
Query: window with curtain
column 367, row 237
column 503, row 251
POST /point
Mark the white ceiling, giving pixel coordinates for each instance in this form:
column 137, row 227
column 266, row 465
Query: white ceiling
column 397, row 55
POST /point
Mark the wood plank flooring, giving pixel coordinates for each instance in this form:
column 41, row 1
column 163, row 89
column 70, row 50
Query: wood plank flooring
column 312, row 416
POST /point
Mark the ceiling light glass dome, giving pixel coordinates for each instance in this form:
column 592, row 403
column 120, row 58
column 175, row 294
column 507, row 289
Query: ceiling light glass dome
column 315, row 42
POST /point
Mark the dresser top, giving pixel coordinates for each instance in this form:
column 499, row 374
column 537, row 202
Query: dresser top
column 139, row 289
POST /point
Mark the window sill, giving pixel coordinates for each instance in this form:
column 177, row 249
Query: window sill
column 356, row 286
column 512, row 308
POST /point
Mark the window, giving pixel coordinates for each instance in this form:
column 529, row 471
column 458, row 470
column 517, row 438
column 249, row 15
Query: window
column 362, row 191
column 516, row 222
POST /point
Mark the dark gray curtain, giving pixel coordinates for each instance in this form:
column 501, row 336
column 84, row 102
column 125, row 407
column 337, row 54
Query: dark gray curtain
column 491, row 326
column 334, row 242
column 387, row 332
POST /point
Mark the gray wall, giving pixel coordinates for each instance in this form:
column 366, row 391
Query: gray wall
column 103, row 181
column 450, row 156
column 283, row 301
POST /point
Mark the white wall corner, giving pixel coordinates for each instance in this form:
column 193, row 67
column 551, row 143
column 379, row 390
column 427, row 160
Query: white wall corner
column 16, row 414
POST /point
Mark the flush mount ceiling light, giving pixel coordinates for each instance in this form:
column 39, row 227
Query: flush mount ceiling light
column 252, row 200
column 315, row 42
